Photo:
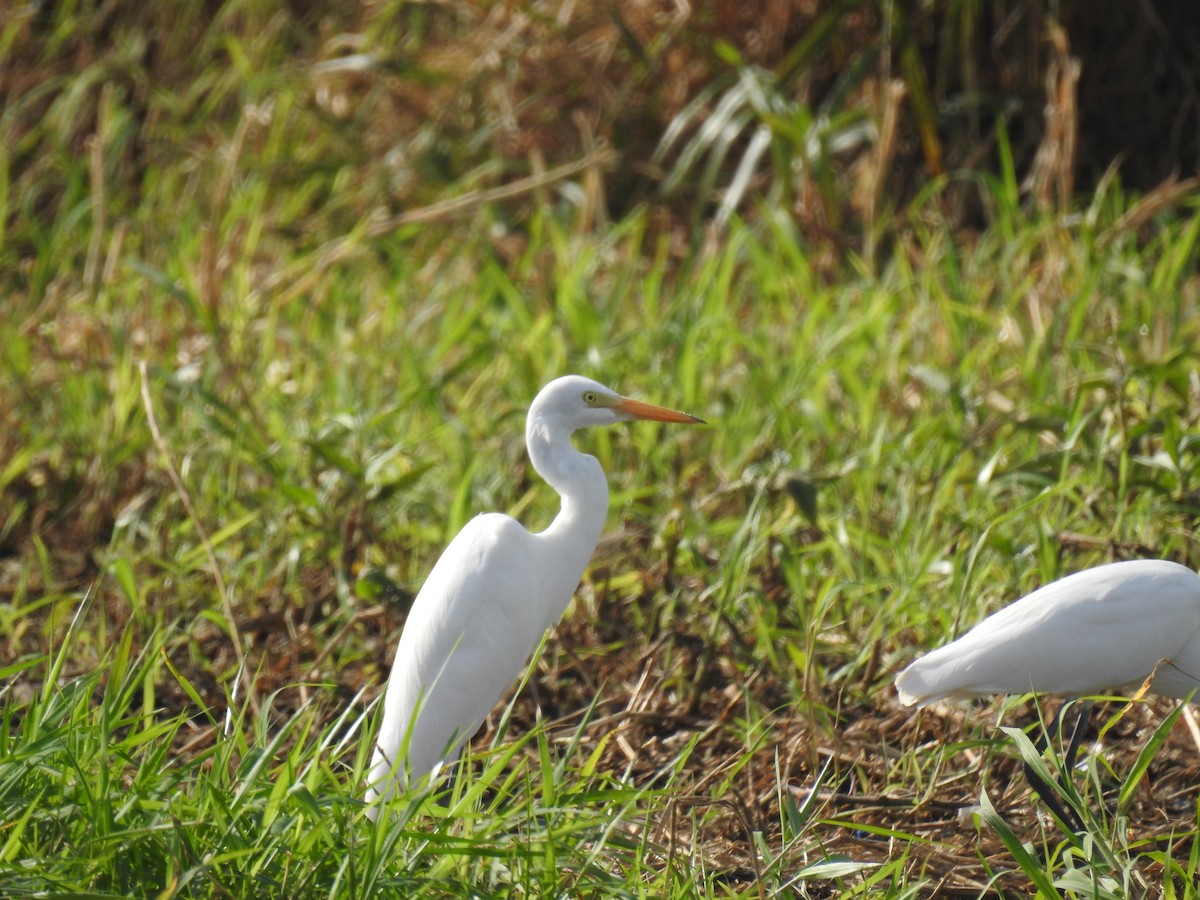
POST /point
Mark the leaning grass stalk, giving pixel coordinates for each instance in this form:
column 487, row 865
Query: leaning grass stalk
column 342, row 248
column 181, row 491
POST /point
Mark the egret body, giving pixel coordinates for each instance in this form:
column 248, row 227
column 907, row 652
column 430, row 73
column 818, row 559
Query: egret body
column 1112, row 626
column 495, row 590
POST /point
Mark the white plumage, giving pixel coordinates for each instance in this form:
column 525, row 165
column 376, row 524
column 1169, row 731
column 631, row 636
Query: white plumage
column 1109, row 627
column 495, row 590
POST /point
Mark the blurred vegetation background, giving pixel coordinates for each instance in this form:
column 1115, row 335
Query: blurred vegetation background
column 839, row 112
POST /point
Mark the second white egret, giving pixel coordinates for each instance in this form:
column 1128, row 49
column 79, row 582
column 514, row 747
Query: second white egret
column 1112, row 626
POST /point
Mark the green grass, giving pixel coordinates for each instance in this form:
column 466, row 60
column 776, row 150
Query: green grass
column 189, row 668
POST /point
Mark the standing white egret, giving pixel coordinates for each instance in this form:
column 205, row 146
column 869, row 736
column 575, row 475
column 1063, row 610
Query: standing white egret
column 1112, row 626
column 495, row 591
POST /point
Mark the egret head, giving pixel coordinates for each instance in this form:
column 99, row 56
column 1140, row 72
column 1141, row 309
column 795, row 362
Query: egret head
column 573, row 401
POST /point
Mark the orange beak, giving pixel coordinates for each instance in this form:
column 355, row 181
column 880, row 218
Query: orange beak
column 636, row 409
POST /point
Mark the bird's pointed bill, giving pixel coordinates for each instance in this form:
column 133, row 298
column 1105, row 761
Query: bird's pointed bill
column 636, row 409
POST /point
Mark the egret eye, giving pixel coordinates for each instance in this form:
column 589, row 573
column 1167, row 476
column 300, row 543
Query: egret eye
column 589, row 397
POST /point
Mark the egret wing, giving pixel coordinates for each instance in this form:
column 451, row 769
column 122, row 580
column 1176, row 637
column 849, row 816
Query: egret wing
column 465, row 641
column 1101, row 628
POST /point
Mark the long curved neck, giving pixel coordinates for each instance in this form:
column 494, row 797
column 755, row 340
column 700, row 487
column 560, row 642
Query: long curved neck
column 580, row 482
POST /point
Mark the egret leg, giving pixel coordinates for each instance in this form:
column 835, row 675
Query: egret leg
column 1085, row 708
column 1065, row 815
column 1042, row 788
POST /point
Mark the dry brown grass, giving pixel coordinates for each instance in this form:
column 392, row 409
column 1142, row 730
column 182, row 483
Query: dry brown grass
column 436, row 98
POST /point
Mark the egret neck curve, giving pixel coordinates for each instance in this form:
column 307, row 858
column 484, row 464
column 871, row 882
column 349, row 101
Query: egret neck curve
column 579, row 480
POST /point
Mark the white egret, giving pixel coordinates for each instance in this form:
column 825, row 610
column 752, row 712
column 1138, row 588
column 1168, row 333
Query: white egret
column 1112, row 626
column 495, row 590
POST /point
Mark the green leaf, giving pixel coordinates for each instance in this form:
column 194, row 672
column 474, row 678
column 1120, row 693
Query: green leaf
column 1025, row 860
